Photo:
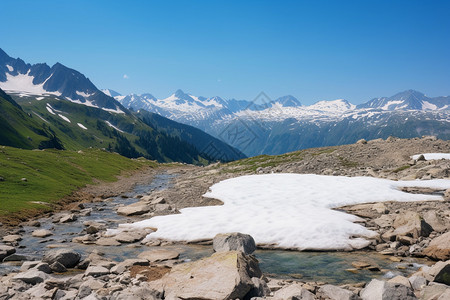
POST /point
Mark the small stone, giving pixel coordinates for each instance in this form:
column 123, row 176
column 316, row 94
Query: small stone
column 31, row 276
column 13, row 238
column 96, row 271
column 107, row 242
column 68, row 218
column 6, row 251
column 159, row 255
column 329, row 291
column 234, row 241
column 362, row 142
column 42, row 233
column 58, row 267
column 417, row 282
column 401, row 279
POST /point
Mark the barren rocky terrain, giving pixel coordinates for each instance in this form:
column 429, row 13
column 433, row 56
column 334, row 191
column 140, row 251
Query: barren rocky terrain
column 404, row 230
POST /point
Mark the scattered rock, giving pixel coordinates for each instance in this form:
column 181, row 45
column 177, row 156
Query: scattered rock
column 293, row 291
column 378, row 289
column 361, row 142
column 439, row 272
column 42, row 233
column 401, row 280
column 138, row 208
column 96, row 271
column 43, row 267
column 68, row 218
column 159, row 255
column 224, row 275
column 417, row 282
column 130, row 236
column 439, row 248
column 234, row 241
column 411, row 224
column 6, row 251
column 16, row 257
column 67, row 257
column 126, row 264
column 58, row 267
column 13, row 238
column 107, row 242
column 332, row 292
column 31, row 276
column 434, row 291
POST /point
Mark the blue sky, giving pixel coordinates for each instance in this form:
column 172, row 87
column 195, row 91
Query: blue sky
column 313, row 50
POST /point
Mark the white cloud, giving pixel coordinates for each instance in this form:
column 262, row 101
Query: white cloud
column 125, row 76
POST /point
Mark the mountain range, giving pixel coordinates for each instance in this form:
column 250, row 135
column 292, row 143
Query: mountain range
column 59, row 107
column 265, row 126
column 214, row 127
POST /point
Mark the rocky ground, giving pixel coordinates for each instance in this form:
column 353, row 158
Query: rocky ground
column 417, row 229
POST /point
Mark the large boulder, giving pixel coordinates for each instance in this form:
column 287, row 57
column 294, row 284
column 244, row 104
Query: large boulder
column 235, row 241
column 333, row 292
column 138, row 208
column 434, row 291
column 224, row 275
column 382, row 290
column 293, row 291
column 411, row 224
column 439, row 248
column 68, row 258
column 432, row 218
column 32, row 276
column 6, row 251
column 439, row 272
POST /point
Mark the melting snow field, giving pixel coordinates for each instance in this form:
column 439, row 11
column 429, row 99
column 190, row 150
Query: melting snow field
column 432, row 156
column 287, row 210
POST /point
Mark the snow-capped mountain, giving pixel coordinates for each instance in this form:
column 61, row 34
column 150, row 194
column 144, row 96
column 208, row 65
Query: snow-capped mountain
column 16, row 76
column 284, row 124
column 408, row 100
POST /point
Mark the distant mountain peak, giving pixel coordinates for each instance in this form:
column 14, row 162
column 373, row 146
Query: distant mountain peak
column 288, row 101
column 111, row 93
column 39, row 79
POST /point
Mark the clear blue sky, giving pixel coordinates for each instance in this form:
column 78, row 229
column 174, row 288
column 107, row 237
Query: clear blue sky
column 314, row 50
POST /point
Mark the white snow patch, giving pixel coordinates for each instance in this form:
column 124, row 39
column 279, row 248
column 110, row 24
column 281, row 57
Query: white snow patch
column 432, row 156
column 40, row 117
column 64, row 118
column 22, row 83
column 39, row 98
column 82, row 126
column 50, row 110
column 111, row 125
column 287, row 210
column 83, row 94
column 10, row 68
column 428, row 105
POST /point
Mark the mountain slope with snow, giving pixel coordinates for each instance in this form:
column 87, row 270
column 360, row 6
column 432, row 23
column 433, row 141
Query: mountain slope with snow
column 284, row 124
column 21, row 78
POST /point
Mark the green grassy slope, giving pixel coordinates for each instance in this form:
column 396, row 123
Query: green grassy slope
column 123, row 133
column 19, row 129
column 52, row 174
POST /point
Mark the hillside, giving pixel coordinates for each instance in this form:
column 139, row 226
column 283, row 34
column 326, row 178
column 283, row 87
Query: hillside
column 35, row 180
column 19, row 129
column 266, row 126
column 64, row 101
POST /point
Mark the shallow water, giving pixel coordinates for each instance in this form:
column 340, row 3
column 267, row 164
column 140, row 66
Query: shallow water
column 309, row 266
